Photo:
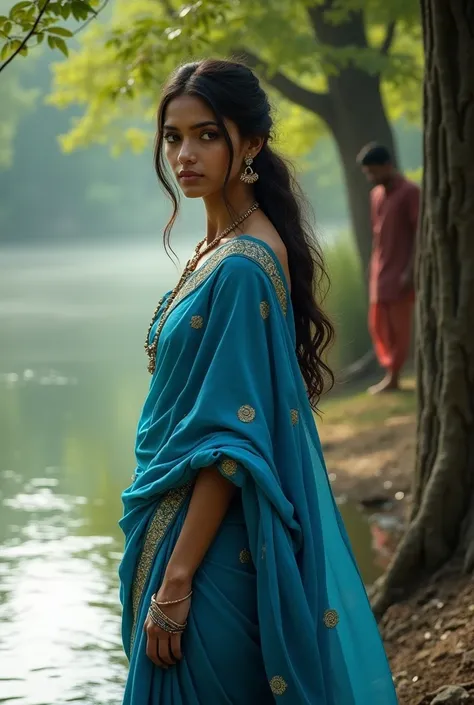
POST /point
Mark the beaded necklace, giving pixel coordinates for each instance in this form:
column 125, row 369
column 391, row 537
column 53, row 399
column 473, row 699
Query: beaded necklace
column 190, row 267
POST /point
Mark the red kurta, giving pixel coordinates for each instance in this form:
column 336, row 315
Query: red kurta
column 394, row 223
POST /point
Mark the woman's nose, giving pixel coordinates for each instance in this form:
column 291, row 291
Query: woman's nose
column 186, row 153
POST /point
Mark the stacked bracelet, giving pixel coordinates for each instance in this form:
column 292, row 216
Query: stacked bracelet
column 162, row 620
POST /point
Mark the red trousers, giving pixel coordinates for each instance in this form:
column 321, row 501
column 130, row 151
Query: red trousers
column 390, row 328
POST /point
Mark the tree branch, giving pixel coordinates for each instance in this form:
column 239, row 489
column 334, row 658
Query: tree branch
column 389, row 37
column 94, row 16
column 26, row 37
column 318, row 103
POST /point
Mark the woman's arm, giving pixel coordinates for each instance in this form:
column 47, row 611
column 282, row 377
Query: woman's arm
column 210, row 500
column 209, row 503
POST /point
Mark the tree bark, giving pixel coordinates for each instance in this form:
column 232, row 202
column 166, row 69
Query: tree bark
column 442, row 520
column 358, row 118
column 357, row 112
column 352, row 108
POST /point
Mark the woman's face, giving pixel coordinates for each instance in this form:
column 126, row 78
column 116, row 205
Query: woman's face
column 196, row 149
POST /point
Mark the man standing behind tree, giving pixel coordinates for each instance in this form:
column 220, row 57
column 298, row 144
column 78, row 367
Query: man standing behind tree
column 394, row 205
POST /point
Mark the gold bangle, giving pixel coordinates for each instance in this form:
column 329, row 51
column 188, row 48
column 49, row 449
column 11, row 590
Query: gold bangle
column 155, row 609
column 172, row 602
column 163, row 624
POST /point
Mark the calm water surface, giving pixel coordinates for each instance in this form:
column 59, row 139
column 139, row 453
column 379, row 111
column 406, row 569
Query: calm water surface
column 72, row 381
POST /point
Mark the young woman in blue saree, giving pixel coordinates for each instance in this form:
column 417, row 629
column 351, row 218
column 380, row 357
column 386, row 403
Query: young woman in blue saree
column 238, row 582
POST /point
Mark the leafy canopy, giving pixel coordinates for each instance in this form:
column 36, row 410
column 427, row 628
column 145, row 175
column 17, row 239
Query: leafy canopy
column 117, row 71
column 27, row 24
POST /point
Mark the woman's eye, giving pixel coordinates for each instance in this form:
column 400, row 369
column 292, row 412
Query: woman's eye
column 209, row 135
column 171, row 138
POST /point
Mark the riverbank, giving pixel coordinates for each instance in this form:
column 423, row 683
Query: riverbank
column 369, row 445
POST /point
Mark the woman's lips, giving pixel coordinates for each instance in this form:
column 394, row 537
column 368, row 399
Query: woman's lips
column 189, row 176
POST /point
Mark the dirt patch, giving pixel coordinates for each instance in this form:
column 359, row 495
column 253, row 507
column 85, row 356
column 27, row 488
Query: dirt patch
column 369, row 446
column 430, row 638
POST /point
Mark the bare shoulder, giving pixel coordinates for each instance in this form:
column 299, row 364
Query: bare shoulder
column 263, row 230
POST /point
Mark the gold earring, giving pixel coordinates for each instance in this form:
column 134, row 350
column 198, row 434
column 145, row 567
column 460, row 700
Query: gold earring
column 249, row 176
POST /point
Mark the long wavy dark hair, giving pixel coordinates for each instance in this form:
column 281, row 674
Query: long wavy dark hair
column 233, row 91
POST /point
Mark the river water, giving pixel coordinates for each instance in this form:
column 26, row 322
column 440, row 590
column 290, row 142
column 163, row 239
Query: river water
column 72, row 380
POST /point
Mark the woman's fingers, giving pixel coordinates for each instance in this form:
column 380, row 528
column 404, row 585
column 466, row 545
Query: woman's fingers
column 152, row 649
column 164, row 652
column 152, row 642
column 175, row 646
column 162, row 648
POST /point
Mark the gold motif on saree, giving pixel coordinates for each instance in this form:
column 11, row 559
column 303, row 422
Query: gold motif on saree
column 264, row 309
column 163, row 517
column 278, row 685
column 244, row 556
column 251, row 250
column 246, row 413
column 228, row 467
column 294, row 414
column 330, row 619
column 197, row 322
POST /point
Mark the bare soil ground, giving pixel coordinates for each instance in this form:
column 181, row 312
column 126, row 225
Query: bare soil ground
column 430, row 638
column 369, row 444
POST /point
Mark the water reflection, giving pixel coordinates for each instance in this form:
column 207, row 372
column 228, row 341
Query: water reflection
column 66, row 456
column 70, row 395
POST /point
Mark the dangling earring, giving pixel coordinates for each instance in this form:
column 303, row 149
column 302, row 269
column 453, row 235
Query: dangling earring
column 249, row 176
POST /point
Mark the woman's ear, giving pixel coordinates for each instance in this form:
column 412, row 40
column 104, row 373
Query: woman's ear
column 255, row 146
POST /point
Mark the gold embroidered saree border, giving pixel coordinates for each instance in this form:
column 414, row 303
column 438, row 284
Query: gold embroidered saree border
column 164, row 515
column 253, row 251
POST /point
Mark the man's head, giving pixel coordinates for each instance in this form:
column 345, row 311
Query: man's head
column 376, row 163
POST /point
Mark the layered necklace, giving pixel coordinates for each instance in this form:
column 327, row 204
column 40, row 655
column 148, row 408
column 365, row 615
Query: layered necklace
column 200, row 251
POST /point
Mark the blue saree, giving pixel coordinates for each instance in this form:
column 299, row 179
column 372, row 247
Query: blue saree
column 279, row 611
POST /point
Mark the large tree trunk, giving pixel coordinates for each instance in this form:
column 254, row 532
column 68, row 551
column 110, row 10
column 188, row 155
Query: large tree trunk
column 358, row 118
column 352, row 107
column 442, row 521
column 356, row 112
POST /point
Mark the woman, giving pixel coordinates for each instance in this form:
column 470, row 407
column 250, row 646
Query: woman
column 238, row 581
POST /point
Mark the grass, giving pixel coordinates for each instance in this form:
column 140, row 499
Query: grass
column 369, row 443
column 358, row 408
column 346, row 302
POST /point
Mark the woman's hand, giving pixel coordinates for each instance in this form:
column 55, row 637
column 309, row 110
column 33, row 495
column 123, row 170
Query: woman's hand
column 163, row 648
column 210, row 500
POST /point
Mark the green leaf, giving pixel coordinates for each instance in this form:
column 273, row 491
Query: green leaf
column 87, row 7
column 62, row 46
column 60, row 31
column 39, row 37
column 5, row 50
column 80, row 10
column 65, row 11
column 24, row 51
column 19, row 8
column 14, row 45
column 7, row 28
column 52, row 42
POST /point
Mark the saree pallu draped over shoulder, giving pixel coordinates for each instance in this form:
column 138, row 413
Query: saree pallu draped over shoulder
column 279, row 611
